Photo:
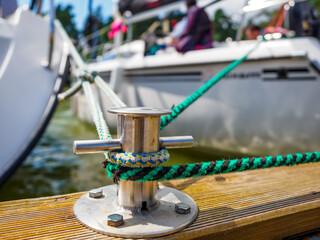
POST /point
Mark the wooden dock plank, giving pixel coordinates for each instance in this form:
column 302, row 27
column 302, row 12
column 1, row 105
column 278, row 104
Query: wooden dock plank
column 260, row 204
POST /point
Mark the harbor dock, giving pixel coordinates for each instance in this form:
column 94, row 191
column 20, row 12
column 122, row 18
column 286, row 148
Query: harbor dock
column 274, row 203
column 159, row 76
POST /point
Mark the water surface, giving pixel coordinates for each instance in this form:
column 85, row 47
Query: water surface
column 52, row 169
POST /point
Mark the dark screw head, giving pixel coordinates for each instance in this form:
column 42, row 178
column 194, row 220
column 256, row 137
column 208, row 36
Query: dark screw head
column 95, row 193
column 182, row 208
column 115, row 220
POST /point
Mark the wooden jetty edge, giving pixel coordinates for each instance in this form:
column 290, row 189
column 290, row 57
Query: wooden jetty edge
column 262, row 204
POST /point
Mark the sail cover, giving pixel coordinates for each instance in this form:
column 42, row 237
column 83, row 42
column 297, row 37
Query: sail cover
column 137, row 6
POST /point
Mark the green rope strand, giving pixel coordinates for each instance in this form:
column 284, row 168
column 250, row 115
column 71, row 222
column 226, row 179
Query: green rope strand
column 165, row 120
column 119, row 172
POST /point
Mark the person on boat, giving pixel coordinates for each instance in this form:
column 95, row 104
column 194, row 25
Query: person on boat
column 252, row 32
column 198, row 32
column 117, row 26
column 177, row 31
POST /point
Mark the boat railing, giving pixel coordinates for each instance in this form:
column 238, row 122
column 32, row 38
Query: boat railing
column 100, row 32
column 100, row 48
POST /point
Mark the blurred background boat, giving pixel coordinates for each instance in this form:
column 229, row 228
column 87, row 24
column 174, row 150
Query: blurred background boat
column 267, row 105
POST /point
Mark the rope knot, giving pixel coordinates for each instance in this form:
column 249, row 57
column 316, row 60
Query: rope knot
column 94, row 73
column 87, row 76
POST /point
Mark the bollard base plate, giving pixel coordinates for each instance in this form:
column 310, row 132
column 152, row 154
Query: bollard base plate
column 160, row 220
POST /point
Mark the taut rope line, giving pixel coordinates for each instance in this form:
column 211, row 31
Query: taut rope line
column 120, row 172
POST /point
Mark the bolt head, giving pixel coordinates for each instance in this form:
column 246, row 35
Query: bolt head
column 182, row 208
column 95, row 193
column 115, row 220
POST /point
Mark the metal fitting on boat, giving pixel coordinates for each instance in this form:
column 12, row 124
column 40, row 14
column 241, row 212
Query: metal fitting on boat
column 138, row 132
column 95, row 146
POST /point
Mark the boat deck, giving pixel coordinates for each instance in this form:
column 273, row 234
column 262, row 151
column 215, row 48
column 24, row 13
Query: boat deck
column 262, row 204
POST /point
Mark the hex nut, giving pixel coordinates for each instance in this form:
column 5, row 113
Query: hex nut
column 182, row 208
column 95, row 193
column 115, row 220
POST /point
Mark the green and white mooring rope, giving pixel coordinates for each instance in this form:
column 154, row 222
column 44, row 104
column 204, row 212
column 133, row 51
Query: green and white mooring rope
column 120, row 172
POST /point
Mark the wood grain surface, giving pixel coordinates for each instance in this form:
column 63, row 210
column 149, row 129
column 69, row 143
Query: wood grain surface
column 261, row 204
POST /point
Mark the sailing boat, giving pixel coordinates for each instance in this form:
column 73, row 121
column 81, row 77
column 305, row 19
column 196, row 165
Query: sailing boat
column 32, row 73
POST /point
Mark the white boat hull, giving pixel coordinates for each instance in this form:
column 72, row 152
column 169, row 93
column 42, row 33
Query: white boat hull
column 28, row 89
column 267, row 105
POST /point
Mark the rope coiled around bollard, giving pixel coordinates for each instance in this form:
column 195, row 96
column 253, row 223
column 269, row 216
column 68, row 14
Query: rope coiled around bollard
column 120, row 172
column 139, row 159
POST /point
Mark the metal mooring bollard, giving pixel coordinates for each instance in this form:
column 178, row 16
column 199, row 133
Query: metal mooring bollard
column 140, row 204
